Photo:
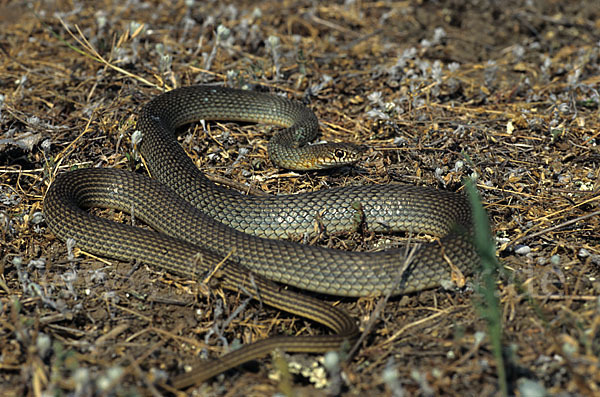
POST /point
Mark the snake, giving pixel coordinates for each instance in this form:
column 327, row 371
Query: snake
column 210, row 233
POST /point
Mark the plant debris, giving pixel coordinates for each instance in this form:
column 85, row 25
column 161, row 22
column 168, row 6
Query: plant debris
column 503, row 92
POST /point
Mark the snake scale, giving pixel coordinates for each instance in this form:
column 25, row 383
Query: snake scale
column 200, row 223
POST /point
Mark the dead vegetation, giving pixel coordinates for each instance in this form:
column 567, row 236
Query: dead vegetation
column 506, row 92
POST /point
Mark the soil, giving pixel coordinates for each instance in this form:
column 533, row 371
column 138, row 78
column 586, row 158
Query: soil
column 502, row 91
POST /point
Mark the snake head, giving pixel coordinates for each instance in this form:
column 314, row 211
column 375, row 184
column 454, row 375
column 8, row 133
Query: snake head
column 333, row 155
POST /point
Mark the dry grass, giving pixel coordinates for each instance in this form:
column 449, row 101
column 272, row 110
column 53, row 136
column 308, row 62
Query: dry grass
column 512, row 86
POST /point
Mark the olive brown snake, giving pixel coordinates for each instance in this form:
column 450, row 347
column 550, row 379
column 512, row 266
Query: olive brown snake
column 200, row 223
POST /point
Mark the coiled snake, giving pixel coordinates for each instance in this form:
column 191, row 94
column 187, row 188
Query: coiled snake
column 201, row 223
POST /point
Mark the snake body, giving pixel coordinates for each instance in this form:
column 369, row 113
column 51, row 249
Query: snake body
column 201, row 223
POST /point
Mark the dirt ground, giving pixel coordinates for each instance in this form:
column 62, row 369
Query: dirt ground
column 506, row 91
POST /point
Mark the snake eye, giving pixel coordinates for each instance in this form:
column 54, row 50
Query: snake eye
column 339, row 154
